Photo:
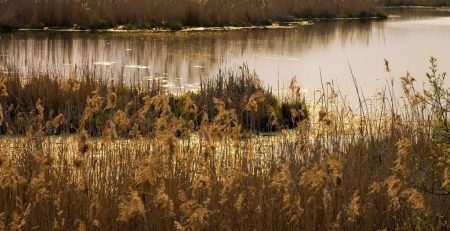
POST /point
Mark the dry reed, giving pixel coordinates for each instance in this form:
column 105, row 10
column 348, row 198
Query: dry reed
column 373, row 174
column 137, row 14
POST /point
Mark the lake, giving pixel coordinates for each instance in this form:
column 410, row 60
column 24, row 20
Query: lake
column 325, row 48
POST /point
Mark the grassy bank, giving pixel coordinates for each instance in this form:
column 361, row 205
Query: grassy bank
column 380, row 169
column 144, row 14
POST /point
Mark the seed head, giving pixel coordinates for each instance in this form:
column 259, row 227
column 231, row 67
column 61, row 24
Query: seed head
column 446, row 183
column 83, row 142
column 3, row 89
column 112, row 100
column 78, row 162
column 130, row 207
column 386, row 66
column 1, row 115
column 415, row 198
column 353, row 208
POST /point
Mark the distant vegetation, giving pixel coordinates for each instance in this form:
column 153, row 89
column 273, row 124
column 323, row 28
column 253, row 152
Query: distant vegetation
column 144, row 14
column 417, row 2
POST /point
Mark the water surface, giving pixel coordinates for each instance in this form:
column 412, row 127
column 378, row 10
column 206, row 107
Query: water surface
column 324, row 49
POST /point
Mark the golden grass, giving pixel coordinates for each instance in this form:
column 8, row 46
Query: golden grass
column 389, row 173
column 97, row 105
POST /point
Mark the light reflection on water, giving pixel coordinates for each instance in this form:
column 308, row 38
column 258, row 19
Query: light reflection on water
column 327, row 47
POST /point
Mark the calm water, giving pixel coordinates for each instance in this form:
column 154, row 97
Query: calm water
column 277, row 55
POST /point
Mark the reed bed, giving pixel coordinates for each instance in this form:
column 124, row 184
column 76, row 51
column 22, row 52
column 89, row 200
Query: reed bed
column 338, row 169
column 142, row 14
column 256, row 108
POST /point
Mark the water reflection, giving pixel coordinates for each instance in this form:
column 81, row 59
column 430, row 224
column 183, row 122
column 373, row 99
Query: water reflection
column 276, row 54
column 186, row 55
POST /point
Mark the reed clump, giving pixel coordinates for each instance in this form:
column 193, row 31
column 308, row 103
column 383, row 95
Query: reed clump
column 92, row 103
column 336, row 170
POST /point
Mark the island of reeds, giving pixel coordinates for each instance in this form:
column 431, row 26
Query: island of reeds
column 84, row 153
column 176, row 15
column 148, row 14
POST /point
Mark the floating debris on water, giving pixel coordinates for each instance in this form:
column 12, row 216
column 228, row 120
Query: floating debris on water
column 293, row 59
column 273, row 26
column 137, row 66
column 191, row 87
column 101, row 63
column 169, row 85
column 148, row 78
column 4, row 70
column 69, row 64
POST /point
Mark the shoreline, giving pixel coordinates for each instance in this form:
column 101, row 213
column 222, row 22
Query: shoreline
column 122, row 28
column 161, row 29
column 291, row 22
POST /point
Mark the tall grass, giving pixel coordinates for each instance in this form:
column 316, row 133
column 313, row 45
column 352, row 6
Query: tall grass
column 256, row 108
column 145, row 13
column 337, row 170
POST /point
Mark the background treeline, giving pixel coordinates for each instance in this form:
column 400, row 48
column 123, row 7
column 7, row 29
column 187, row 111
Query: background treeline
column 417, row 2
column 170, row 13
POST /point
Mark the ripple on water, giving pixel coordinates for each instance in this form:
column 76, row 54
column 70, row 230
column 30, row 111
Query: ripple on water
column 137, row 66
column 103, row 63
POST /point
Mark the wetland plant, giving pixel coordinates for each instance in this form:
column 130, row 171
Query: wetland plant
column 104, row 14
column 336, row 170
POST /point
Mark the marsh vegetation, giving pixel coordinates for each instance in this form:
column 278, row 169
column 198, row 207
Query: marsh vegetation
column 165, row 162
column 100, row 131
column 240, row 90
column 144, row 14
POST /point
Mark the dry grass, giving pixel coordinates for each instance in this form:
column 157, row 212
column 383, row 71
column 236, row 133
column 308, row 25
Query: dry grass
column 385, row 169
column 144, row 13
column 91, row 102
